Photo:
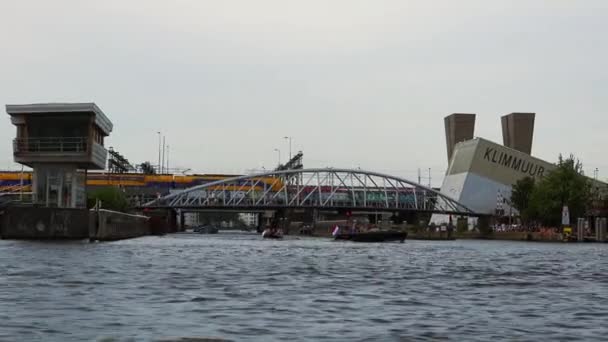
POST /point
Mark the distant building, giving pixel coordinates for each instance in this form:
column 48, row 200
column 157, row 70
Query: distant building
column 482, row 173
column 250, row 219
column 518, row 131
column 458, row 127
column 192, row 219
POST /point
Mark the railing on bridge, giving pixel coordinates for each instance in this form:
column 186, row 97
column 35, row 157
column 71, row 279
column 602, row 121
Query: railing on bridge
column 315, row 188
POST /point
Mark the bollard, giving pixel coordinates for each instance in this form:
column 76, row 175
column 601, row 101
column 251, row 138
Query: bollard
column 580, row 230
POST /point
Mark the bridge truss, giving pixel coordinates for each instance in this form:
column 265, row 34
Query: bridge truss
column 314, row 188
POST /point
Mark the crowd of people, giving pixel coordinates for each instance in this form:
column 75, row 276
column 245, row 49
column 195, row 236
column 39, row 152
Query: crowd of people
column 523, row 228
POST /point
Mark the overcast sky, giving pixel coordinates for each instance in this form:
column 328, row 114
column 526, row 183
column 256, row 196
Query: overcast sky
column 356, row 83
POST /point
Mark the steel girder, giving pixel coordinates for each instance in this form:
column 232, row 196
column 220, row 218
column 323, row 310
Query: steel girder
column 314, row 188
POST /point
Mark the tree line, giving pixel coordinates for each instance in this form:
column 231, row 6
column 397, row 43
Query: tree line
column 541, row 201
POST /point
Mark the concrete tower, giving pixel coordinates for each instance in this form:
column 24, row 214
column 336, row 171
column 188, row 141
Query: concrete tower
column 458, row 127
column 56, row 140
column 518, row 131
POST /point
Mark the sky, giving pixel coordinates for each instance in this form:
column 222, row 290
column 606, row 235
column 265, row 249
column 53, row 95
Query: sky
column 357, row 84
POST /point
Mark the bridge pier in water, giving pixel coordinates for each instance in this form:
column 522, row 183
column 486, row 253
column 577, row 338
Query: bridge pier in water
column 162, row 221
column 182, row 221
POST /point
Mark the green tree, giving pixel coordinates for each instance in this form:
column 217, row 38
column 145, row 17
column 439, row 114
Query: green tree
column 520, row 198
column 566, row 185
column 112, row 198
column 147, row 168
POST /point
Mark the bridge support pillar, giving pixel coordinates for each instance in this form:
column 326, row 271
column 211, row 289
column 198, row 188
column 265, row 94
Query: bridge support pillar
column 160, row 221
column 268, row 216
column 182, row 221
column 172, row 221
column 260, row 227
column 315, row 217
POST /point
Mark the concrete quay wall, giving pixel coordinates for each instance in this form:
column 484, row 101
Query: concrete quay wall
column 514, row 236
column 107, row 225
column 43, row 223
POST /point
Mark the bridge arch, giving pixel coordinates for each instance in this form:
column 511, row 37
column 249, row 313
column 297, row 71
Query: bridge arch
column 319, row 188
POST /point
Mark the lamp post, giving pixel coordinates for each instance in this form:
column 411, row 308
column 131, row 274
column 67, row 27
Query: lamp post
column 159, row 145
column 596, row 173
column 279, row 151
column 167, row 158
column 162, row 167
column 289, row 138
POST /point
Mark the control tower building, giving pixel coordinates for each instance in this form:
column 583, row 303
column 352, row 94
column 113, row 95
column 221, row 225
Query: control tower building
column 56, row 140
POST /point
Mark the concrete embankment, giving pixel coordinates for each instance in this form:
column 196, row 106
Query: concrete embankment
column 107, row 225
column 544, row 236
column 44, row 223
column 40, row 223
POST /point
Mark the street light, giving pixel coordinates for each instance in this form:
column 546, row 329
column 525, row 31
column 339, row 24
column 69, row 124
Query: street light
column 289, row 138
column 167, row 158
column 279, row 151
column 159, row 143
column 162, row 168
column 596, row 173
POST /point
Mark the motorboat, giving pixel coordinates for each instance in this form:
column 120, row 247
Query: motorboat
column 373, row 236
column 272, row 234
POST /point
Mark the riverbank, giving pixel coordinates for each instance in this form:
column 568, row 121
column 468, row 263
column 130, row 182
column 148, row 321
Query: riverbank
column 512, row 236
column 522, row 236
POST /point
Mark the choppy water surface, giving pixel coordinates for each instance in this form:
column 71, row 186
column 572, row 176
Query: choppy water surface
column 239, row 287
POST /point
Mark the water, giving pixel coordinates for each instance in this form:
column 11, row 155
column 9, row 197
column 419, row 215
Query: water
column 241, row 288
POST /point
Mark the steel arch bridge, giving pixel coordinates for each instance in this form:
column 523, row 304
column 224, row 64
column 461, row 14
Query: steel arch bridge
column 328, row 188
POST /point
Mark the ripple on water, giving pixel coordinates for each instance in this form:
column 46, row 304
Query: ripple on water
column 239, row 287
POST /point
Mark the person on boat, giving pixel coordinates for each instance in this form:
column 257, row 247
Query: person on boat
column 266, row 231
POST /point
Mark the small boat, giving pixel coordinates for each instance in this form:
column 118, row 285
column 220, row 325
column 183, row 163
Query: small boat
column 377, row 236
column 206, row 230
column 272, row 234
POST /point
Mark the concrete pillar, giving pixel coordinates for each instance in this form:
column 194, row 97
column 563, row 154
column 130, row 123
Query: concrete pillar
column 580, row 229
column 483, row 225
column 182, row 221
column 172, row 220
column 600, row 229
column 315, row 216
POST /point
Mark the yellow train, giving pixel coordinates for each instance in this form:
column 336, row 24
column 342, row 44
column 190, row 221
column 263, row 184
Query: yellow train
column 16, row 180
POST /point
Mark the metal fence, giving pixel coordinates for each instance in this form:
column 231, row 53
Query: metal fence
column 51, row 144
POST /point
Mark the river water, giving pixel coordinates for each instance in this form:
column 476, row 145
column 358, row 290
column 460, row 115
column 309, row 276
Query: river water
column 239, row 287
